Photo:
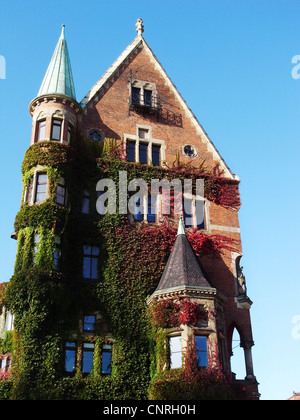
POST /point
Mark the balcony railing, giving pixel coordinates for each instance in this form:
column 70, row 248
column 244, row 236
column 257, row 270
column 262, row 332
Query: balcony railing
column 145, row 102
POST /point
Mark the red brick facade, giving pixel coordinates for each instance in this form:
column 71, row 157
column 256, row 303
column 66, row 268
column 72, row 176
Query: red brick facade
column 108, row 109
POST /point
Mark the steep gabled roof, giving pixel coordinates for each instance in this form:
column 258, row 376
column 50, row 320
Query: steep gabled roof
column 139, row 43
column 183, row 269
column 58, row 78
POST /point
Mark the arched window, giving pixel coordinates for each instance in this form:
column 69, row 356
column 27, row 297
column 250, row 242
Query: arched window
column 237, row 360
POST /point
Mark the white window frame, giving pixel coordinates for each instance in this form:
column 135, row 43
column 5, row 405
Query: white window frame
column 150, row 141
column 195, row 198
column 31, row 202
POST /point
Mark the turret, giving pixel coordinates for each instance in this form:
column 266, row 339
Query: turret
column 54, row 111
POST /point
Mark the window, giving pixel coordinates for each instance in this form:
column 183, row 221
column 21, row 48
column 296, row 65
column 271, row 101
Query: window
column 143, row 152
column 144, row 95
column 138, row 215
column 188, row 214
column 37, row 239
column 70, row 357
column 194, row 212
column 143, row 134
column 200, row 213
column 70, row 132
column 41, row 188
column 61, row 193
column 147, row 97
column 189, row 151
column 90, row 262
column 136, row 93
column 86, row 202
column 87, row 357
column 106, row 358
column 41, row 130
column 89, row 323
column 131, row 151
column 57, row 252
column 201, row 350
column 175, row 352
column 151, row 217
column 56, row 130
column 95, row 135
column 155, row 155
column 9, row 321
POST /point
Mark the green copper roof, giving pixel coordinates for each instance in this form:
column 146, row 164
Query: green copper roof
column 59, row 78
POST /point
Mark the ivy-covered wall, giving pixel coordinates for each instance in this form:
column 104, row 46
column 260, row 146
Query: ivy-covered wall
column 48, row 301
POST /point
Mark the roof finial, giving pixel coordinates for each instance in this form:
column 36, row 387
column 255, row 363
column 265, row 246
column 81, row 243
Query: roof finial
column 181, row 230
column 62, row 35
column 139, row 27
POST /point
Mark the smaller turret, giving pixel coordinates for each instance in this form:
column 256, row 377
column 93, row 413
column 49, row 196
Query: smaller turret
column 54, row 110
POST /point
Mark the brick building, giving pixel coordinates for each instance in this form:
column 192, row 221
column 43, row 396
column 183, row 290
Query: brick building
column 85, row 283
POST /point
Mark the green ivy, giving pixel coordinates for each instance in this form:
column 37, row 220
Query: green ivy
column 48, row 304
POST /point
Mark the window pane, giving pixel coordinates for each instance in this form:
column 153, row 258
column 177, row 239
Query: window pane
column 187, row 207
column 143, row 134
column 175, row 352
column 201, row 350
column 70, row 360
column 41, row 130
column 147, row 97
column 56, row 130
column 143, row 153
column 94, row 269
column 89, row 321
column 200, row 214
column 155, row 155
column 106, row 362
column 87, row 360
column 135, row 95
column 86, row 268
column 151, row 217
column 87, row 250
column 95, row 251
column 138, row 216
column 131, row 151
column 42, row 178
column 95, row 135
column 70, row 357
column 57, row 254
column 60, row 195
column 86, row 202
column 41, row 189
column 88, row 345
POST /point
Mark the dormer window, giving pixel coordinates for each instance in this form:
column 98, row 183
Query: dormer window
column 56, row 130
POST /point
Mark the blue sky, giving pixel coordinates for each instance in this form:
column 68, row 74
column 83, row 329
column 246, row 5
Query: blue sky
column 232, row 62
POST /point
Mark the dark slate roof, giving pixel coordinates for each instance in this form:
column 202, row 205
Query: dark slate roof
column 183, row 268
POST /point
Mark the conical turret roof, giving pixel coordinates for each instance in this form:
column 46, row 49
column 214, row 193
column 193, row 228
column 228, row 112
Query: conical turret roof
column 183, row 268
column 59, row 78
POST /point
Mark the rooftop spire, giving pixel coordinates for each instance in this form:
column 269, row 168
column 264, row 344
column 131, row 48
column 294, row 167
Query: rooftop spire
column 181, row 230
column 139, row 27
column 59, row 78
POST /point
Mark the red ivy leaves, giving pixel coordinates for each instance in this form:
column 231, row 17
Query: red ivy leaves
column 170, row 313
